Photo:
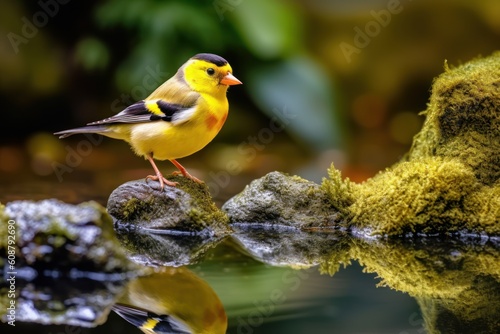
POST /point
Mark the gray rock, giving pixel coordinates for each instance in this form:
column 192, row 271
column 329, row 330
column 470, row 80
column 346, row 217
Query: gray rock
column 279, row 199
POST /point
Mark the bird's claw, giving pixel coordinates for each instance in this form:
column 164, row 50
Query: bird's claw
column 163, row 181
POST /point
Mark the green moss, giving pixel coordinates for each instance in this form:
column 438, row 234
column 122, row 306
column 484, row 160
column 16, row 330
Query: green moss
column 449, row 181
column 425, row 196
column 463, row 118
column 203, row 211
column 486, row 206
column 343, row 193
column 135, row 207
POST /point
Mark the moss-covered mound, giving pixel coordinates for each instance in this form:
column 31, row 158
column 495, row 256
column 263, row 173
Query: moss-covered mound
column 430, row 195
column 449, row 181
column 463, row 119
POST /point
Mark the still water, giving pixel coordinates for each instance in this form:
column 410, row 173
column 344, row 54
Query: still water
column 263, row 280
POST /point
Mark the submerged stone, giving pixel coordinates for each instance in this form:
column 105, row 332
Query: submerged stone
column 186, row 209
column 78, row 301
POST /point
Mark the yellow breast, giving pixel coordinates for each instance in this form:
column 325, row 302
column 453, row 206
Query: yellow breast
column 167, row 141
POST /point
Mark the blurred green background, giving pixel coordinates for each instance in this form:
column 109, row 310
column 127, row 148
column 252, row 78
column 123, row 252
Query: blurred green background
column 351, row 76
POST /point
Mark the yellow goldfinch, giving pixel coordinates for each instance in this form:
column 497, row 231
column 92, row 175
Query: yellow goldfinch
column 178, row 119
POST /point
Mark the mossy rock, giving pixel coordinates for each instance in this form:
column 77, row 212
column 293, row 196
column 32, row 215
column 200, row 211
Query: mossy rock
column 185, row 209
column 279, row 199
column 428, row 196
column 447, row 184
column 54, row 235
column 449, row 181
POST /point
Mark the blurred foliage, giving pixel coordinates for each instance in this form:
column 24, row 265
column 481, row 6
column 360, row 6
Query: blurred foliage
column 87, row 60
column 276, row 34
column 92, row 54
column 297, row 88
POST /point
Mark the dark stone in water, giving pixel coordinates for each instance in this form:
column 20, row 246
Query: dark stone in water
column 52, row 235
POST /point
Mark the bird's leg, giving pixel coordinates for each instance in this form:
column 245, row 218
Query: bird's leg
column 184, row 172
column 158, row 176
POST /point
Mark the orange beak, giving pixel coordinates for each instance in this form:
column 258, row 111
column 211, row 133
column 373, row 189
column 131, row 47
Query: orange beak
column 230, row 80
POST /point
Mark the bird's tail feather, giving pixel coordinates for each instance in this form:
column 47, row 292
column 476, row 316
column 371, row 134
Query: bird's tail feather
column 100, row 129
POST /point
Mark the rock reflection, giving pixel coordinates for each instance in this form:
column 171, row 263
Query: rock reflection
column 287, row 246
column 455, row 282
column 163, row 249
column 83, row 301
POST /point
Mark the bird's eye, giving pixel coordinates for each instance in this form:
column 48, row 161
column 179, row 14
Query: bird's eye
column 210, row 71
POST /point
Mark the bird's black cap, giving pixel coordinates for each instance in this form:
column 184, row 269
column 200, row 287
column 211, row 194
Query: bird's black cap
column 211, row 58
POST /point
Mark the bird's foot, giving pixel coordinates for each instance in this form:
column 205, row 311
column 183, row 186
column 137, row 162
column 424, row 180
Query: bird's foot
column 162, row 180
column 187, row 175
